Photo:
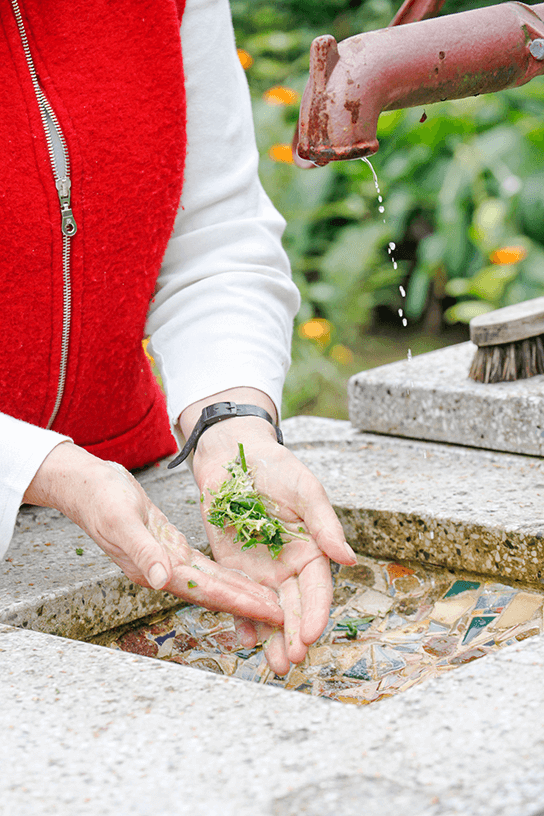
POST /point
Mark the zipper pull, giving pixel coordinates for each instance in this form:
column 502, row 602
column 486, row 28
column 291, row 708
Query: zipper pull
column 68, row 223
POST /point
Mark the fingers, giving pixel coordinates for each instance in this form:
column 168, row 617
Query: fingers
column 273, row 641
column 291, row 601
column 208, row 584
column 322, row 522
column 246, row 632
column 140, row 552
column 316, row 592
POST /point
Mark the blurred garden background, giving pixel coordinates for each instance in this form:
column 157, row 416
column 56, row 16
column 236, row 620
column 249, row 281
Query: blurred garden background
column 463, row 194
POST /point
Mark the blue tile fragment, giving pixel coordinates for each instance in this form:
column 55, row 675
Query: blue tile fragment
column 477, row 624
column 461, row 586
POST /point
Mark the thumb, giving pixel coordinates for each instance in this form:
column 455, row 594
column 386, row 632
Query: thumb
column 146, row 556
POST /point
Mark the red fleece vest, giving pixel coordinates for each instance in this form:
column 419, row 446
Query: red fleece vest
column 112, row 72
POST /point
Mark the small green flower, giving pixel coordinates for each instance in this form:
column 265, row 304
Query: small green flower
column 79, row 550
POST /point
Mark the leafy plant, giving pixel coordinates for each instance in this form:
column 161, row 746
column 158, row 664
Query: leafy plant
column 458, row 188
column 237, row 504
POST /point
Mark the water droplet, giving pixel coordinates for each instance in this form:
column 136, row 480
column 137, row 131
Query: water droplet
column 404, row 322
column 392, row 246
column 381, row 209
column 380, row 199
column 402, row 290
column 395, row 265
column 409, row 355
column 400, row 312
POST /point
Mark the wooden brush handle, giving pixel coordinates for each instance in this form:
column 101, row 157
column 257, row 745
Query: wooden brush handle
column 517, row 322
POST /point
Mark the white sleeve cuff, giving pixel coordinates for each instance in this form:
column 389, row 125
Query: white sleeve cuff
column 24, row 447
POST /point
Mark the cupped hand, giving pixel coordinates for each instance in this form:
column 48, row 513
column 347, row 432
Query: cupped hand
column 301, row 573
column 114, row 510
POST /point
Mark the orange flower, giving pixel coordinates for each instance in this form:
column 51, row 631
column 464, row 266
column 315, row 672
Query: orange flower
column 245, row 58
column 281, row 153
column 341, row 354
column 508, row 255
column 281, row 96
column 317, row 329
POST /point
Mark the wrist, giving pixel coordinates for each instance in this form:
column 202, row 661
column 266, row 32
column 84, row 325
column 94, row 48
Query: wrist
column 220, row 412
column 242, row 396
column 59, row 475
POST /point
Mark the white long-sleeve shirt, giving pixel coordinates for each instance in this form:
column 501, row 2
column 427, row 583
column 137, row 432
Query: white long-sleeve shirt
column 222, row 316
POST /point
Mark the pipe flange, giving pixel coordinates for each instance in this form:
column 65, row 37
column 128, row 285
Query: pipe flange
column 537, row 49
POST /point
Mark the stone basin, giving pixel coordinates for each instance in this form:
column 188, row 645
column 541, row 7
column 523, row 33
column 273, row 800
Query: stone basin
column 104, row 730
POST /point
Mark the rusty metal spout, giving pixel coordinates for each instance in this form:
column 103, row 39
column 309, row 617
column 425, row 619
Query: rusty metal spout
column 450, row 57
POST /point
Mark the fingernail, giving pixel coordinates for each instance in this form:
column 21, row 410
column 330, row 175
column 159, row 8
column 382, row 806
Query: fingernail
column 349, row 551
column 157, row 576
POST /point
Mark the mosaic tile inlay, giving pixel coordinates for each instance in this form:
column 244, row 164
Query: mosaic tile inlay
column 391, row 626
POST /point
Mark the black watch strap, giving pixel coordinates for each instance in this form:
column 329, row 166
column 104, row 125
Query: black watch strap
column 218, row 412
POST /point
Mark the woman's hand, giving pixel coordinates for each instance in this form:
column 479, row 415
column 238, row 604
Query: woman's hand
column 301, row 573
column 113, row 509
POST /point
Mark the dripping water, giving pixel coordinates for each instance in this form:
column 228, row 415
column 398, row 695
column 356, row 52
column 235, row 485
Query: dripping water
column 390, row 249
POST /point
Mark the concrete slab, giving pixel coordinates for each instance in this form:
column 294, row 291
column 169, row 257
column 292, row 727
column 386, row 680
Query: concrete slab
column 46, row 585
column 87, row 730
column 453, row 506
column 431, row 397
column 457, row 507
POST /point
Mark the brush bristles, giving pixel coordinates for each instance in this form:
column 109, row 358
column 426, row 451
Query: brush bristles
column 509, row 361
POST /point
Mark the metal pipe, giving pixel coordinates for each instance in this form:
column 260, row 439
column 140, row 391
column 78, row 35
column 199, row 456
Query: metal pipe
column 451, row 57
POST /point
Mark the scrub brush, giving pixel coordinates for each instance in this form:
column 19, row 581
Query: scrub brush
column 510, row 343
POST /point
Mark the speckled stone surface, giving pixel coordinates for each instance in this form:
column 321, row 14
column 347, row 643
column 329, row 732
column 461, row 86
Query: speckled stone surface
column 458, row 507
column 46, row 585
column 431, row 397
column 91, row 731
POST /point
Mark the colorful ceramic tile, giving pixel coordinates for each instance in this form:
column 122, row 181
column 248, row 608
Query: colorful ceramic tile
column 362, row 670
column 476, row 625
column 494, row 601
column 520, row 609
column 137, row 643
column 390, row 627
column 441, row 646
column 447, row 612
column 386, row 660
column 467, row 656
column 371, row 602
column 409, row 583
column 437, row 627
column 461, row 586
column 395, row 571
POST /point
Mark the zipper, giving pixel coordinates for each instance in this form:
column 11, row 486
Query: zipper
column 60, row 165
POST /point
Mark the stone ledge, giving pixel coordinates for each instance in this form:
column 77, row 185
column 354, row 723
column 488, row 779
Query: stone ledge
column 448, row 505
column 456, row 507
column 431, row 397
column 90, row 730
column 45, row 585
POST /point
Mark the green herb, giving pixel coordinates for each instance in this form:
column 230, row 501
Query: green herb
column 190, row 501
column 237, row 504
column 192, row 584
column 79, row 550
column 351, row 625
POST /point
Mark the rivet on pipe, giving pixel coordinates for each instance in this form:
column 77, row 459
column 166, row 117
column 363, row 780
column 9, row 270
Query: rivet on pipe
column 537, row 49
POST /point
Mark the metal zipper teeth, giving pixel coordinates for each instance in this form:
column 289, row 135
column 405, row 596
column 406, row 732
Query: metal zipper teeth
column 63, row 185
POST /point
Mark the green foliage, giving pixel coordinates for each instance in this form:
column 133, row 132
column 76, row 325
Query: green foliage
column 237, row 505
column 464, row 183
